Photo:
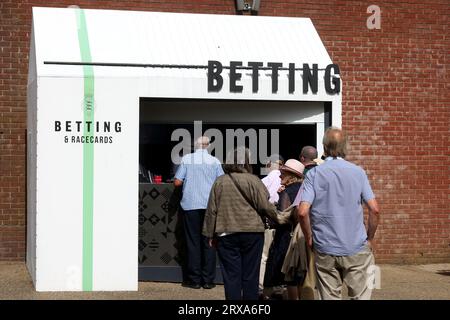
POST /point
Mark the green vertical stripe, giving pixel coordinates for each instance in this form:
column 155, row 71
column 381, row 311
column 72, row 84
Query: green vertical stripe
column 88, row 153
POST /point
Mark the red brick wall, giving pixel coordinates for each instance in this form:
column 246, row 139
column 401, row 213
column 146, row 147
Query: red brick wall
column 396, row 110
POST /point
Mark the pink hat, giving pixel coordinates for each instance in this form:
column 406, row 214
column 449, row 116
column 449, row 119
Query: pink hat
column 294, row 166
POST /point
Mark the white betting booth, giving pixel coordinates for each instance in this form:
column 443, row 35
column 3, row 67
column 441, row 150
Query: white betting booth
column 88, row 70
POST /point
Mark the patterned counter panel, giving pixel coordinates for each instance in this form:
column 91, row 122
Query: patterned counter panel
column 162, row 246
column 161, row 238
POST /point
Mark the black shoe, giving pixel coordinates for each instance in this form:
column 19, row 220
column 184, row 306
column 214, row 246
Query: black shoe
column 191, row 285
column 208, row 285
column 276, row 296
column 262, row 296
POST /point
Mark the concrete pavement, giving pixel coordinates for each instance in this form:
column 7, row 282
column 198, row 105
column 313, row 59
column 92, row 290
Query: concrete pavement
column 399, row 282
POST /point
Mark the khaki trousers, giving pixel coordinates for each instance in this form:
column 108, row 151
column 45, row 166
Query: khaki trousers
column 332, row 271
column 268, row 239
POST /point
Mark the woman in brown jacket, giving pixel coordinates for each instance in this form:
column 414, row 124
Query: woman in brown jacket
column 238, row 202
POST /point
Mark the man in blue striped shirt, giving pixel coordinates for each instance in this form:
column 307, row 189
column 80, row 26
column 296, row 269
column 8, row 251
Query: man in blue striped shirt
column 196, row 174
column 331, row 217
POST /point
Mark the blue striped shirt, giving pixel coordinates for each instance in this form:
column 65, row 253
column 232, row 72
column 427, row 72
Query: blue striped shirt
column 198, row 171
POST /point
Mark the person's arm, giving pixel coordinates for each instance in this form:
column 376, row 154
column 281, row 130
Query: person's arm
column 264, row 207
column 260, row 196
column 303, row 217
column 374, row 216
column 180, row 175
column 209, row 222
column 306, row 197
column 374, row 210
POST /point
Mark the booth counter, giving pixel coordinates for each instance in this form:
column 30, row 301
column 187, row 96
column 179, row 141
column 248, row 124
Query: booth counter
column 162, row 246
column 161, row 239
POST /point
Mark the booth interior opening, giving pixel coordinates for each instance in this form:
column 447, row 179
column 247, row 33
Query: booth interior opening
column 162, row 254
column 159, row 118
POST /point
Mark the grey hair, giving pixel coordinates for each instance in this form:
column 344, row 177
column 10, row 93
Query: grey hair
column 202, row 142
column 335, row 143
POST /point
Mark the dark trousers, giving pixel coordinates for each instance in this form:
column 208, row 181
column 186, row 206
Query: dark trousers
column 240, row 258
column 201, row 258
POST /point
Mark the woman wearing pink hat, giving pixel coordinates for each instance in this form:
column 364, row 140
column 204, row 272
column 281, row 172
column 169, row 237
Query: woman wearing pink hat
column 291, row 180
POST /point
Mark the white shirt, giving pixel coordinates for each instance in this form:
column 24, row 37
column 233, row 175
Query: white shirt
column 273, row 182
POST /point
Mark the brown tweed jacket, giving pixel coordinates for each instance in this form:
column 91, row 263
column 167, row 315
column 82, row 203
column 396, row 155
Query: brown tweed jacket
column 228, row 211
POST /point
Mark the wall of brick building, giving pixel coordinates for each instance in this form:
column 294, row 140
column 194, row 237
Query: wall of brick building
column 396, row 109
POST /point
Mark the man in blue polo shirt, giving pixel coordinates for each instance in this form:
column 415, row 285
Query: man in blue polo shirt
column 197, row 173
column 331, row 217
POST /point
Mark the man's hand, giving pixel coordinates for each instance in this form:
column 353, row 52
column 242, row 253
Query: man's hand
column 309, row 242
column 212, row 242
column 371, row 244
column 374, row 216
column 177, row 183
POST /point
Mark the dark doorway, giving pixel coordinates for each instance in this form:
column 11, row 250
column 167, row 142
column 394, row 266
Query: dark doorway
column 161, row 238
column 155, row 145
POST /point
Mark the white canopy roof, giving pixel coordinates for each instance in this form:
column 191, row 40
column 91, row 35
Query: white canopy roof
column 130, row 37
column 125, row 45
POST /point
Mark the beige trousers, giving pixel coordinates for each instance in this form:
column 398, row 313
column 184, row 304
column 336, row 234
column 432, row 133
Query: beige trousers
column 268, row 239
column 332, row 271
